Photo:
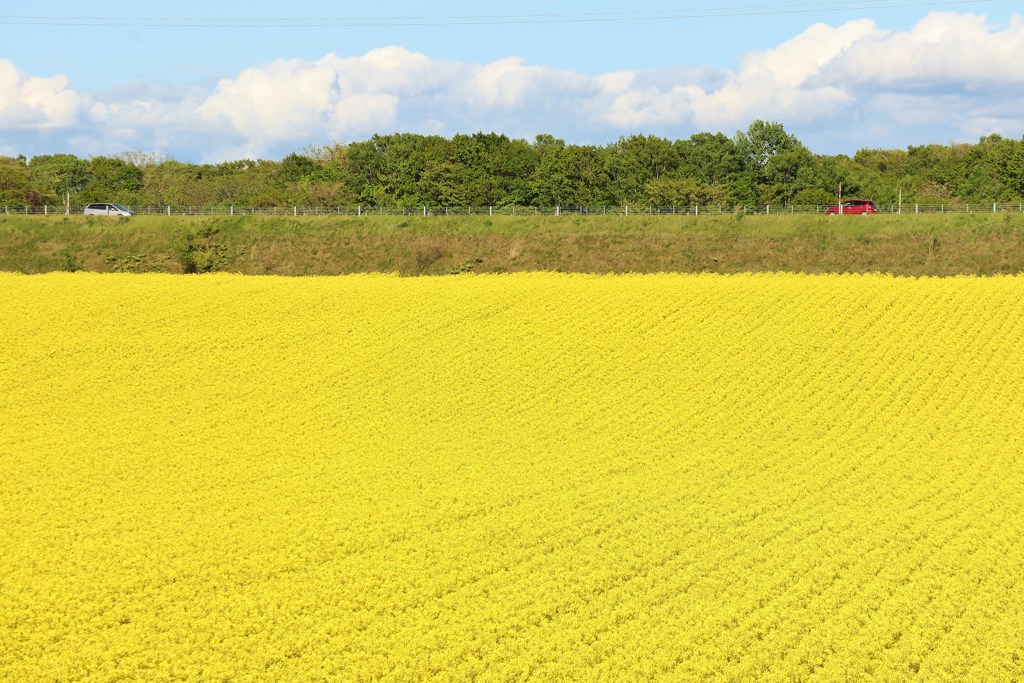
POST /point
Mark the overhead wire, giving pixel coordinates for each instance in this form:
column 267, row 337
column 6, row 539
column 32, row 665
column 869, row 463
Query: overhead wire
column 478, row 20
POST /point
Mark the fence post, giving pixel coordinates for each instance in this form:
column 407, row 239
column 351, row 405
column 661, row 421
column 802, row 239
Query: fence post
column 994, row 208
column 424, row 211
column 917, row 209
column 768, row 210
column 696, row 209
column 558, row 211
column 232, row 211
column 627, row 209
column 168, row 209
column 490, row 210
column 46, row 209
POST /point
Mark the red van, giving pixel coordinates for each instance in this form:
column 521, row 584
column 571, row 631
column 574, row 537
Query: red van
column 853, row 207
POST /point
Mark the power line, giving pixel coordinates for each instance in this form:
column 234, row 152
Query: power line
column 481, row 17
column 477, row 20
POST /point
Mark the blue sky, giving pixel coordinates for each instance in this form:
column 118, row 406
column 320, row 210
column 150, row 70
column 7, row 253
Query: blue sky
column 259, row 79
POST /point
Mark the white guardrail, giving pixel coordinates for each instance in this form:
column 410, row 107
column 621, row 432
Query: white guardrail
column 630, row 210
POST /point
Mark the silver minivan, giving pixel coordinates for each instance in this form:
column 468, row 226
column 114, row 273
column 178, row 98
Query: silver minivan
column 108, row 210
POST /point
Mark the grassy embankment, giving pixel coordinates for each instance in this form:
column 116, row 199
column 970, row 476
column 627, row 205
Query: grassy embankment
column 982, row 244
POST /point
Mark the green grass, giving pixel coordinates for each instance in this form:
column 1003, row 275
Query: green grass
column 906, row 245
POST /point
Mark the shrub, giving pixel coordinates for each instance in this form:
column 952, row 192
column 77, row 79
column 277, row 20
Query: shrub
column 197, row 252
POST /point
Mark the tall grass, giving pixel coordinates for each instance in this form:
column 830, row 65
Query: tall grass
column 932, row 244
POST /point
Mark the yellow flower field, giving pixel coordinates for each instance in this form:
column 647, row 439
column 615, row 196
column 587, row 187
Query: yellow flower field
column 758, row 477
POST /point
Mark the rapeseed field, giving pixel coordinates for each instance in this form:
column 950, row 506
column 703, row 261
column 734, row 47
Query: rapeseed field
column 536, row 476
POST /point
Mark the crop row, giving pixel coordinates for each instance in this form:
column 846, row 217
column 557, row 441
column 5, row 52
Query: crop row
column 772, row 477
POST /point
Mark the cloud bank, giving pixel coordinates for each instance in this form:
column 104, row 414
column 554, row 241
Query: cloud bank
column 27, row 102
column 952, row 76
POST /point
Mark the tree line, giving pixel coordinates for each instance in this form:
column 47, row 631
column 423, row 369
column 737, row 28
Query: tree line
column 762, row 165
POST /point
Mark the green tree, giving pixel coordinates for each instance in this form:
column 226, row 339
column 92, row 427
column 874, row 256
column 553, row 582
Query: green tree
column 813, row 197
column 633, row 161
column 493, row 169
column 772, row 159
column 1015, row 171
column 993, row 171
column 296, row 167
column 15, row 186
column 112, row 180
column 172, row 183
column 586, row 175
column 59, row 177
column 440, row 184
column 711, row 158
column 551, row 184
column 676, row 192
column 388, row 168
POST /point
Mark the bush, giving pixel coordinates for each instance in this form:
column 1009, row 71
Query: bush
column 813, row 198
column 196, row 251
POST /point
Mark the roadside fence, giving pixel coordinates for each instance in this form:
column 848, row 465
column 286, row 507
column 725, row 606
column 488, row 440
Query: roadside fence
column 509, row 210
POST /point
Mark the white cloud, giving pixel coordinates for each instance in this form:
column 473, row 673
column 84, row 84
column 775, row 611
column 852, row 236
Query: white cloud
column 31, row 102
column 363, row 112
column 951, row 75
column 336, row 98
column 945, row 49
column 394, row 69
column 272, row 102
column 509, row 83
column 770, row 85
column 797, row 60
